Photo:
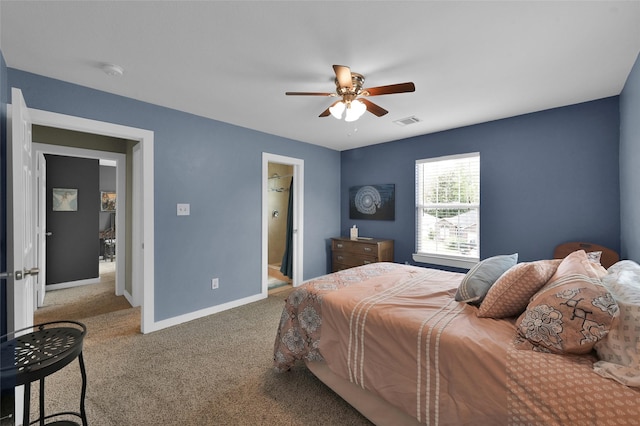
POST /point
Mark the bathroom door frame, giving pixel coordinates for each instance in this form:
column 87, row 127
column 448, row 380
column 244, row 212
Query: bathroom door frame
column 298, row 217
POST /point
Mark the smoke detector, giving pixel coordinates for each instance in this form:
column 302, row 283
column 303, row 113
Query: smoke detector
column 113, row 70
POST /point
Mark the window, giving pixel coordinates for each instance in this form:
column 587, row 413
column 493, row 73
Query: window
column 448, row 210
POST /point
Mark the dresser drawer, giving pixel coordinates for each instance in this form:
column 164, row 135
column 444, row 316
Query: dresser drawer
column 355, row 247
column 347, row 253
column 350, row 260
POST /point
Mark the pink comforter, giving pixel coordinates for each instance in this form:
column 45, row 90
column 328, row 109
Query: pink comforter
column 299, row 330
column 396, row 331
column 412, row 344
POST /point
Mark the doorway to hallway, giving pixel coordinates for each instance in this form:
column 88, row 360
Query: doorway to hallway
column 141, row 253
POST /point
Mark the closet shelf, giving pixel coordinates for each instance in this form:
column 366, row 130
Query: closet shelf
column 277, row 176
column 280, row 189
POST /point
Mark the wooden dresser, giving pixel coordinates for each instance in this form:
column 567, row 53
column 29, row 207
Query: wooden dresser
column 347, row 253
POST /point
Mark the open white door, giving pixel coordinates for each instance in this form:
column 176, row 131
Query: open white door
column 20, row 221
column 20, row 225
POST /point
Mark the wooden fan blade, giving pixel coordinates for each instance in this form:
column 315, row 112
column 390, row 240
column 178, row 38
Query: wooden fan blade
column 309, row 94
column 390, row 89
column 373, row 108
column 326, row 112
column 343, row 74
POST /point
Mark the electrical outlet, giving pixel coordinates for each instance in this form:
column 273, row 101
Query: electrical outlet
column 214, row 283
column 184, row 209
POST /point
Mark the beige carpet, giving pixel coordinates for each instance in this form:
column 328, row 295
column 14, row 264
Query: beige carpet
column 84, row 301
column 212, row 371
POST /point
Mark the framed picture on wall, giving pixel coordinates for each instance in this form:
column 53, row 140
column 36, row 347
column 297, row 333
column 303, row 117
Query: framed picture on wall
column 376, row 202
column 107, row 201
column 65, row 200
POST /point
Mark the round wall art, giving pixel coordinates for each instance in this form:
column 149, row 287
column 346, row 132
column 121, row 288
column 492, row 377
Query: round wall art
column 375, row 202
column 367, row 200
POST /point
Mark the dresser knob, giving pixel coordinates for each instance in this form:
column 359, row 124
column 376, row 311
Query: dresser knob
column 367, row 249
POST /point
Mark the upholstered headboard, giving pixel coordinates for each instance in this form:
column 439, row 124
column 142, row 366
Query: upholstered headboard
column 608, row 257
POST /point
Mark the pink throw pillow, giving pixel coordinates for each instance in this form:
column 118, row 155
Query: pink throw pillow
column 511, row 293
column 572, row 312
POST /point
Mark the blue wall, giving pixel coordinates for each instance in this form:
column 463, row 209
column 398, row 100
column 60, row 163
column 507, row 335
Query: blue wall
column 217, row 168
column 4, row 96
column 630, row 165
column 546, row 178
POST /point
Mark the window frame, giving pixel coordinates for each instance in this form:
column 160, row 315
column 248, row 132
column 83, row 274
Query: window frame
column 438, row 258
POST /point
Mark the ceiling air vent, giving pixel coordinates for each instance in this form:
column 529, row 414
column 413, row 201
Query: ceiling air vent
column 407, row 121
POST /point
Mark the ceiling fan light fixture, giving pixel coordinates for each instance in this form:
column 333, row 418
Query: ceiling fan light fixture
column 355, row 110
column 352, row 101
column 337, row 110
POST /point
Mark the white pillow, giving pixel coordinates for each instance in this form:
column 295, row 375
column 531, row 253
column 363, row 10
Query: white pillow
column 619, row 351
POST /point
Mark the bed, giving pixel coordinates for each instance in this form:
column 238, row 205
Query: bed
column 405, row 345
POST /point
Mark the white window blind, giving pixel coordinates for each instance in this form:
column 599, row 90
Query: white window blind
column 448, row 210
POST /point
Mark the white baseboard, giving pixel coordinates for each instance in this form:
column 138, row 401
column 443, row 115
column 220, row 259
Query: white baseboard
column 170, row 322
column 70, row 284
column 129, row 298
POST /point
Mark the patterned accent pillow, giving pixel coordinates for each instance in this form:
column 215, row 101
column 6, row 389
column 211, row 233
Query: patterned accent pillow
column 480, row 278
column 510, row 295
column 594, row 256
column 619, row 352
column 572, row 312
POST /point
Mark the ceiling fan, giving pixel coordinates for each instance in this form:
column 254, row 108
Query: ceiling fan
column 353, row 102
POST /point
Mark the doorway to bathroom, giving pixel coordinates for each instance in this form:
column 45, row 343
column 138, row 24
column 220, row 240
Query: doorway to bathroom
column 280, row 199
column 282, row 228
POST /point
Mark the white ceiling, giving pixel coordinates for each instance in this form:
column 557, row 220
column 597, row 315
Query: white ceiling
column 471, row 62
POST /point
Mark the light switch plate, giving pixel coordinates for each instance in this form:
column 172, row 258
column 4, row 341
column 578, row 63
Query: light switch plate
column 183, row 209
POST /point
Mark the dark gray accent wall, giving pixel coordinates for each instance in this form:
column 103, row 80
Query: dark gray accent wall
column 73, row 247
column 630, row 165
column 545, row 178
column 217, row 168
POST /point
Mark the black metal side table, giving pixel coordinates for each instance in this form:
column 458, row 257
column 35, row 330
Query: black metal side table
column 35, row 352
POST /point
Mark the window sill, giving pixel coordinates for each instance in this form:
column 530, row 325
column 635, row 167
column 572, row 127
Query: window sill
column 456, row 262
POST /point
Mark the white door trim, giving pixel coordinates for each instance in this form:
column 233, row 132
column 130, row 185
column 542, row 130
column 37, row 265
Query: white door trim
column 146, row 174
column 39, row 201
column 137, row 239
column 298, row 216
